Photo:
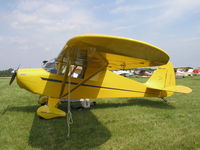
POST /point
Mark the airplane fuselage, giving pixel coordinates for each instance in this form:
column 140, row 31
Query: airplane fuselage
column 106, row 84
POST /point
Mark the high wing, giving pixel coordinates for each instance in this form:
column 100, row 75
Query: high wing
column 117, row 52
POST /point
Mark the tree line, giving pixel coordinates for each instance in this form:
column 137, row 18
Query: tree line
column 6, row 73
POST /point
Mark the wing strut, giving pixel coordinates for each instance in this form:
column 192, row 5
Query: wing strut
column 82, row 82
column 67, row 78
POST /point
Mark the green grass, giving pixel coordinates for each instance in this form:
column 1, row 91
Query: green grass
column 114, row 124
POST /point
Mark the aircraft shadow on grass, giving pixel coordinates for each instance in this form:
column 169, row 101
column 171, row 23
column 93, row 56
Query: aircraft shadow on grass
column 86, row 132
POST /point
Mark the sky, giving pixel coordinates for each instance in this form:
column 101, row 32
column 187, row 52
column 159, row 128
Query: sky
column 35, row 30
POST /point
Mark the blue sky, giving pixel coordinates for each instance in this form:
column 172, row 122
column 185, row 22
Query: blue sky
column 34, row 30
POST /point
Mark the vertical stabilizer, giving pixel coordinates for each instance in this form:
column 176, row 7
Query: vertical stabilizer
column 163, row 77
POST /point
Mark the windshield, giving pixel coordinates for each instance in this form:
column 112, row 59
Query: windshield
column 50, row 66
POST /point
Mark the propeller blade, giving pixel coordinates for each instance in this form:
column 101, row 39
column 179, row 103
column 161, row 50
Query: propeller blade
column 13, row 77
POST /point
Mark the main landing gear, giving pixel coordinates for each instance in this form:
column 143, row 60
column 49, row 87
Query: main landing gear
column 49, row 109
column 49, row 106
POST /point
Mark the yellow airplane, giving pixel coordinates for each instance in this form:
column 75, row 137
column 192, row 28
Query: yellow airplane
column 83, row 70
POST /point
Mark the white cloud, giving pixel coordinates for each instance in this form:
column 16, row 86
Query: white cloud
column 28, row 5
column 25, row 48
column 118, row 2
column 54, row 8
column 39, row 29
column 43, row 6
column 177, row 9
column 160, row 13
column 12, row 40
column 132, row 8
column 190, row 39
column 52, row 17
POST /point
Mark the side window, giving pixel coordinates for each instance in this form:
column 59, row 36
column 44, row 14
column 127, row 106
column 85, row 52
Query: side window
column 77, row 72
column 78, row 59
column 74, row 71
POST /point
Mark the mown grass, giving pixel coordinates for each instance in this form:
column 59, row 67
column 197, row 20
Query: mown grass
column 124, row 123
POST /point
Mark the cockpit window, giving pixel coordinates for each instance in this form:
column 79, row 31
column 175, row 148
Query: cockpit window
column 75, row 71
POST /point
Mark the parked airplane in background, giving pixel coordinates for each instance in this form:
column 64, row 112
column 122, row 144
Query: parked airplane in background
column 196, row 72
column 82, row 70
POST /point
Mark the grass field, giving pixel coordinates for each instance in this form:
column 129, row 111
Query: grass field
column 114, row 124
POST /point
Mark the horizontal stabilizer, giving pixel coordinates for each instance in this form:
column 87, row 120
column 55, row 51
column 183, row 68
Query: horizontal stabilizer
column 178, row 89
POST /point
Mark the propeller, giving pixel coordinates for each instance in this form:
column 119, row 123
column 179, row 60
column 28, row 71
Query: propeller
column 14, row 75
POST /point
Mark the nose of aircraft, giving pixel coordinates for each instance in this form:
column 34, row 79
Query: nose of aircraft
column 21, row 77
column 30, row 79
